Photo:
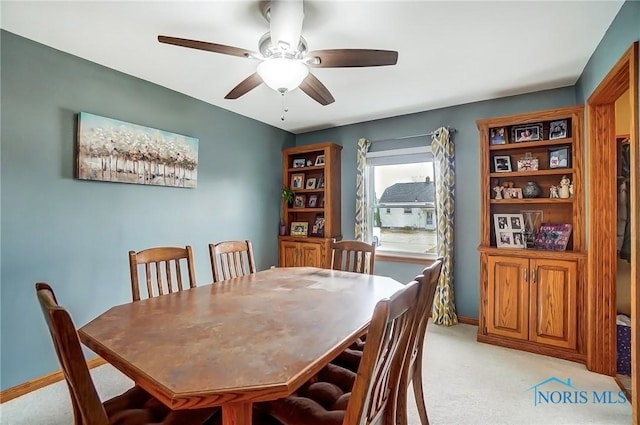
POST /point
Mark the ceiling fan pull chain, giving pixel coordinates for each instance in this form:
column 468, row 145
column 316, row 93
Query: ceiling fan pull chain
column 284, row 108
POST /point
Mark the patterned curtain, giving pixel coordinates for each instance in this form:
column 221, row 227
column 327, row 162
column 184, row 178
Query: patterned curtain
column 362, row 215
column 444, row 309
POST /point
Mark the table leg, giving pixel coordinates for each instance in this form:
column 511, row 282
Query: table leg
column 237, row 413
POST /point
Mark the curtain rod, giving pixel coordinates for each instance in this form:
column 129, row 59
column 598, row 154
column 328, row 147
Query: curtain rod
column 451, row 130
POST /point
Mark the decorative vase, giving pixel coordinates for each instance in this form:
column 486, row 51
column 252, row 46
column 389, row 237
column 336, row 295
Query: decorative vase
column 283, row 230
column 531, row 190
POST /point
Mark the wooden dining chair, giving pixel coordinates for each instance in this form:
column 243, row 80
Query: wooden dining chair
column 353, row 256
column 231, row 259
column 134, row 407
column 166, row 269
column 412, row 371
column 338, row 396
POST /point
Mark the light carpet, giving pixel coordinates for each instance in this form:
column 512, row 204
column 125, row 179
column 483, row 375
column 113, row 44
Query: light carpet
column 466, row 383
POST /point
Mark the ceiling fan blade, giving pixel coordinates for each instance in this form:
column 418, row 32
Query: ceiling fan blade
column 285, row 23
column 316, row 90
column 245, row 86
column 347, row 58
column 209, row 47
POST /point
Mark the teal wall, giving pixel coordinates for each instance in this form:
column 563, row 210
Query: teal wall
column 624, row 30
column 76, row 234
column 467, row 148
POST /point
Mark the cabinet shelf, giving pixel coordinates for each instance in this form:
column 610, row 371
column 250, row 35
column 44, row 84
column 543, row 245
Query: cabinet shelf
column 533, row 201
column 529, row 145
column 295, row 210
column 304, row 169
column 552, row 172
column 318, row 190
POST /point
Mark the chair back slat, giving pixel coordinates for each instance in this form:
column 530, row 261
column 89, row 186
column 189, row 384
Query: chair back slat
column 87, row 407
column 231, row 259
column 162, row 269
column 375, row 391
column 353, row 256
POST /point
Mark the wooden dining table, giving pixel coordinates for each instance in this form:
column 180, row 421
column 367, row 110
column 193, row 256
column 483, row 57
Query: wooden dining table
column 232, row 343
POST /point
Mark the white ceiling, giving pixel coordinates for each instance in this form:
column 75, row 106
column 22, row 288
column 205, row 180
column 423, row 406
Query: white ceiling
column 449, row 52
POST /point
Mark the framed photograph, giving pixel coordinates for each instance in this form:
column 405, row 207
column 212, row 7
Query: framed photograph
column 528, row 163
column 498, row 136
column 310, row 183
column 560, row 157
column 313, row 201
column 512, row 193
column 298, row 162
column 553, row 236
column 319, row 160
column 558, row 129
column 297, row 181
column 509, row 230
column 321, row 203
column 320, row 183
column 299, row 228
column 502, row 163
column 526, row 133
column 299, row 201
column 318, row 227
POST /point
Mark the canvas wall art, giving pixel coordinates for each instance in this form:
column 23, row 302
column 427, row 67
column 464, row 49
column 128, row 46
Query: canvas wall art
column 117, row 151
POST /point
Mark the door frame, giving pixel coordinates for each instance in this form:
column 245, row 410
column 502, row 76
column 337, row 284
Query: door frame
column 602, row 261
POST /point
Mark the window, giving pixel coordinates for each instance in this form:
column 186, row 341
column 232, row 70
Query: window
column 401, row 183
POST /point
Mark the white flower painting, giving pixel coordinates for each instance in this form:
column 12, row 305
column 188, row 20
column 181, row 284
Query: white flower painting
column 117, row 151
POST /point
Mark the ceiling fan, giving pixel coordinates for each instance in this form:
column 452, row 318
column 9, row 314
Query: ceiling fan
column 284, row 56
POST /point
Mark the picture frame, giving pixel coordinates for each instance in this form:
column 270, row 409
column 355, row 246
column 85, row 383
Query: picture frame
column 553, row 236
column 298, row 162
column 560, row 157
column 527, row 163
column 320, row 183
column 299, row 201
column 299, row 228
column 103, row 146
column 318, row 227
column 526, row 133
column 321, row 203
column 509, row 231
column 310, row 183
column 512, row 193
column 558, row 129
column 297, row 181
column 319, row 160
column 498, row 136
column 502, row 163
column 313, row 201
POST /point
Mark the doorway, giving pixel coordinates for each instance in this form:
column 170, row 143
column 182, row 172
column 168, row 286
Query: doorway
column 602, row 225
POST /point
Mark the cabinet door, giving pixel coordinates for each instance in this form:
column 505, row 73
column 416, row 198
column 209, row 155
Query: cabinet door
column 554, row 303
column 508, row 297
column 310, row 255
column 289, row 254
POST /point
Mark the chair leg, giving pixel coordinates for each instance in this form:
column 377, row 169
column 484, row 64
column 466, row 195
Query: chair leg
column 401, row 405
column 417, row 390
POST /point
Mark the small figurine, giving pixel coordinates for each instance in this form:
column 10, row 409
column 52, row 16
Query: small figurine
column 571, row 189
column 309, row 163
column 498, row 190
column 564, row 187
column 554, row 192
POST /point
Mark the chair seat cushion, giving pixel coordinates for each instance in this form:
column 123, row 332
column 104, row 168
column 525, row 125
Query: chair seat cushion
column 320, row 401
column 138, row 407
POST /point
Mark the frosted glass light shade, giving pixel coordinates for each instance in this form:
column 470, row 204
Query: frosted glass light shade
column 282, row 74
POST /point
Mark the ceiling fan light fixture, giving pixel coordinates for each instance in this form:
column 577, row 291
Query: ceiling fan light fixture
column 281, row 74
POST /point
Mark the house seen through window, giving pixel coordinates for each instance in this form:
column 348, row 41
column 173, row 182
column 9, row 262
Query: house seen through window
column 401, row 189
